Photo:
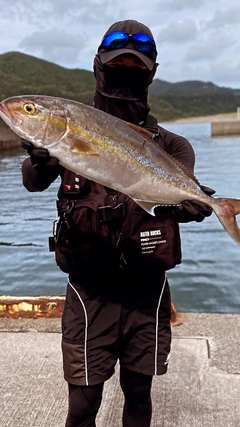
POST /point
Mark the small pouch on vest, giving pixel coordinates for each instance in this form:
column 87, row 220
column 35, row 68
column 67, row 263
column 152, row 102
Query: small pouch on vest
column 153, row 241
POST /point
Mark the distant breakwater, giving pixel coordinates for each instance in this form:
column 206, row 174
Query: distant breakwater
column 226, row 128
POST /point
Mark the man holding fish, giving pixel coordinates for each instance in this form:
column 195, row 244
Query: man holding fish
column 118, row 304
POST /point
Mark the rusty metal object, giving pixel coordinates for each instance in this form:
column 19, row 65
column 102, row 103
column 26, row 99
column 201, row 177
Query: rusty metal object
column 176, row 318
column 31, row 306
column 48, row 307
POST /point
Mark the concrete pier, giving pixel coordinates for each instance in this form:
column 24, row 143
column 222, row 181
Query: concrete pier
column 201, row 388
column 225, row 128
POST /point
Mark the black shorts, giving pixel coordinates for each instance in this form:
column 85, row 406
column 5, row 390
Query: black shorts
column 125, row 319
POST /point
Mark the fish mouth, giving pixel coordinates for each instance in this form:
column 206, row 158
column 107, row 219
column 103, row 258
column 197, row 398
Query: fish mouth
column 1, row 107
column 8, row 117
column 4, row 111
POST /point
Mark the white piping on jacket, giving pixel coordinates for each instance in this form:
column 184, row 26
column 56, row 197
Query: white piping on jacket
column 86, row 331
column 158, row 307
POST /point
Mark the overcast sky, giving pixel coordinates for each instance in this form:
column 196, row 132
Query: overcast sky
column 196, row 39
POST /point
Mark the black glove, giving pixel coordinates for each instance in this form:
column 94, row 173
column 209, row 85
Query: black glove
column 197, row 210
column 39, row 156
column 207, row 190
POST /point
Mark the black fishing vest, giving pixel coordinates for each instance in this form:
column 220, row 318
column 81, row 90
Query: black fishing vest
column 99, row 228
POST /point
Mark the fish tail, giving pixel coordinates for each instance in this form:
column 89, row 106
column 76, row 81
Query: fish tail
column 226, row 210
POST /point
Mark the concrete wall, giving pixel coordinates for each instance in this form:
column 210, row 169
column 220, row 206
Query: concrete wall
column 8, row 139
column 226, row 127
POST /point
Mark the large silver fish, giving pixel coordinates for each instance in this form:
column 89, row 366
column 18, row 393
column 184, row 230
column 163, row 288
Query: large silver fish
column 111, row 152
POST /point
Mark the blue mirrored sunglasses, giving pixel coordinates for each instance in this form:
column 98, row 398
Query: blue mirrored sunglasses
column 119, row 39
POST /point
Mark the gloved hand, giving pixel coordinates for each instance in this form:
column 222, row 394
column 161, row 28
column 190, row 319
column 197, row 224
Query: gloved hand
column 198, row 210
column 39, row 156
column 207, row 190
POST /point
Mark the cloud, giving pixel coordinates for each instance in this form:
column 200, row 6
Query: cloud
column 180, row 5
column 60, row 12
column 177, row 32
column 25, row 12
column 224, row 17
column 53, row 37
column 225, row 70
column 195, row 39
column 54, row 45
column 208, row 46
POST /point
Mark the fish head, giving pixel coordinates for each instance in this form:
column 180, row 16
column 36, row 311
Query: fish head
column 38, row 119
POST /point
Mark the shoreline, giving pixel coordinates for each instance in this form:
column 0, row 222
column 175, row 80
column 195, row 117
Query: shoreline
column 209, row 119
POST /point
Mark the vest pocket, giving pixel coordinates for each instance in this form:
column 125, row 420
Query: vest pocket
column 153, row 241
column 73, row 252
column 82, row 242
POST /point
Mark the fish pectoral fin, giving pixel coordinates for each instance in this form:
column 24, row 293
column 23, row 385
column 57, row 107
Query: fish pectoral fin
column 82, row 146
column 147, row 206
column 150, row 206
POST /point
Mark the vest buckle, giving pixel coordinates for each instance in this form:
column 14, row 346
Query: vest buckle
column 111, row 213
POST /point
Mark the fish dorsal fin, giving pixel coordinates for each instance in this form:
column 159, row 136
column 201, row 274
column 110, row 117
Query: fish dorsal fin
column 187, row 171
column 142, row 131
column 82, row 146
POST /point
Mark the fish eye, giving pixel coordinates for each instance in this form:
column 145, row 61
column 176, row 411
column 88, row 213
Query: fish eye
column 29, row 108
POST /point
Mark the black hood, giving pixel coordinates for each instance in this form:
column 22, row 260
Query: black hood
column 122, row 91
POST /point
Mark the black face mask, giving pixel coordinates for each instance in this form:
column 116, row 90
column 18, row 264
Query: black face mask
column 122, row 91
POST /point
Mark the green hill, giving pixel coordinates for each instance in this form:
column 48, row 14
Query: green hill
column 196, row 98
column 24, row 74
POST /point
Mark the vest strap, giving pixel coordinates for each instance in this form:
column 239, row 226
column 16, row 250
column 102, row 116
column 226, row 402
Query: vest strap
column 109, row 213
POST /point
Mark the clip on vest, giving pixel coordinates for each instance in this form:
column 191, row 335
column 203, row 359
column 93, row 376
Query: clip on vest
column 109, row 213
